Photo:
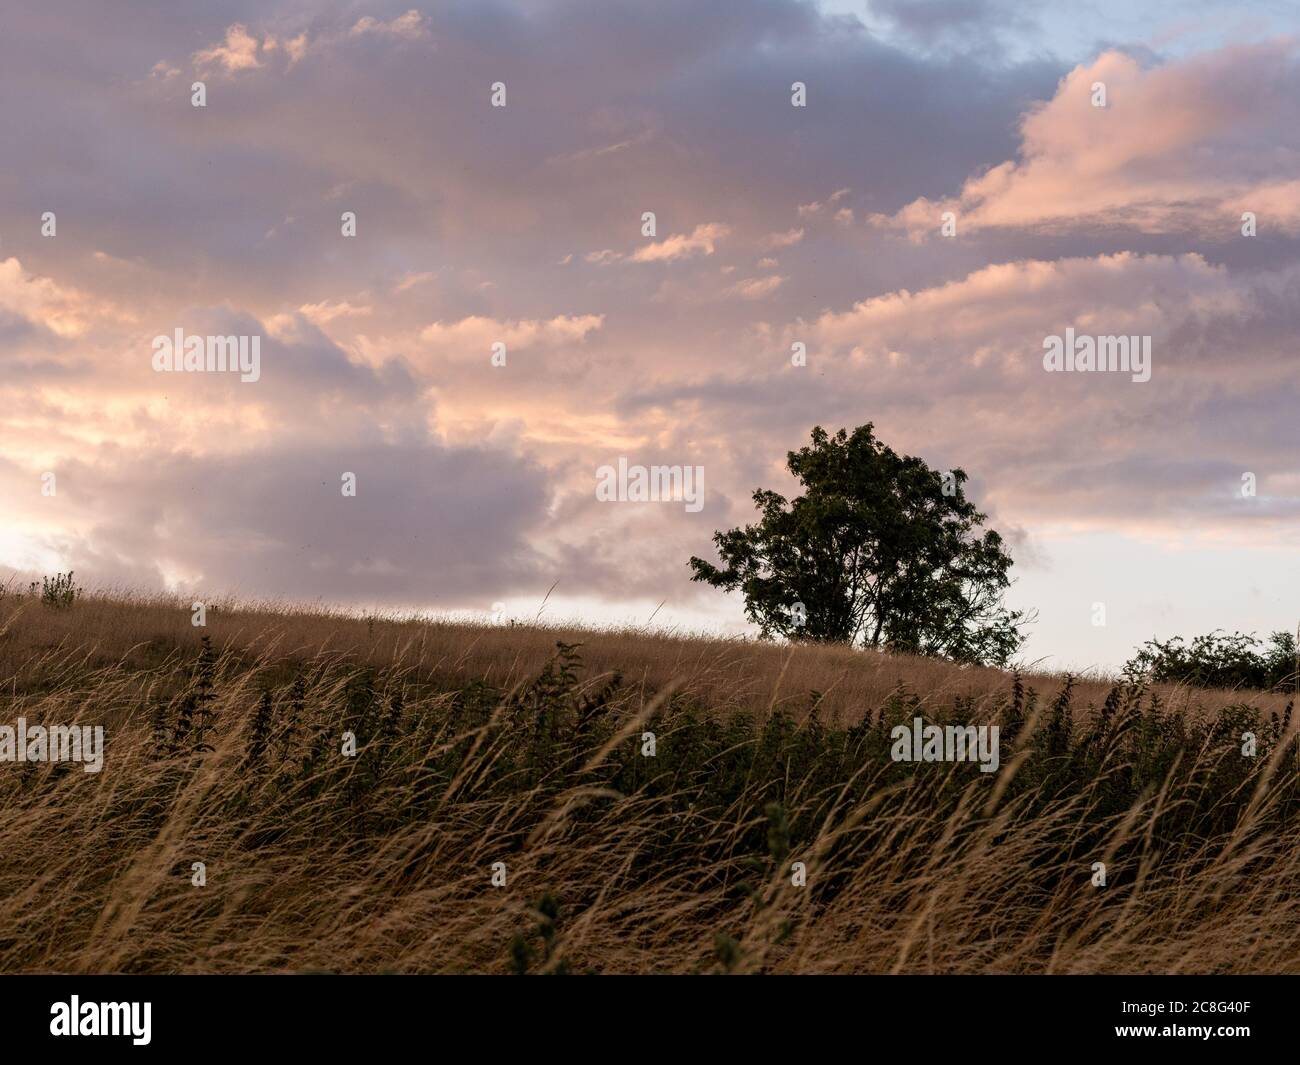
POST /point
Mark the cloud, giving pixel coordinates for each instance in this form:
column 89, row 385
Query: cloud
column 242, row 50
column 816, row 207
column 238, row 52
column 410, row 280
column 324, row 312
column 783, row 240
column 411, row 26
column 755, row 288
column 1182, row 147
column 958, row 25
column 987, row 329
column 275, row 522
column 966, row 360
column 46, row 305
column 680, row 246
column 295, row 48
column 476, row 334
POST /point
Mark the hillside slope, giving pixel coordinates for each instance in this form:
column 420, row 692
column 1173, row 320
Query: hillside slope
column 288, row 791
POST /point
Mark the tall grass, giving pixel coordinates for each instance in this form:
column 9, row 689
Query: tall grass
column 524, row 746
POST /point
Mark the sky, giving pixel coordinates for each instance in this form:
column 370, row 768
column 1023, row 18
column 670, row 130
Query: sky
column 503, row 323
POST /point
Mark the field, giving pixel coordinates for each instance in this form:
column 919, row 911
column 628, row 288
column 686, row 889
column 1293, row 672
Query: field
column 519, row 753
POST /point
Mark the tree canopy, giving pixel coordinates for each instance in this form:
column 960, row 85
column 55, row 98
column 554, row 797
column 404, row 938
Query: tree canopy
column 880, row 550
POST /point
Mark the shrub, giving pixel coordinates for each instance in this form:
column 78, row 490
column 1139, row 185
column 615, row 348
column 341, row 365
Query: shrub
column 59, row 591
column 1219, row 660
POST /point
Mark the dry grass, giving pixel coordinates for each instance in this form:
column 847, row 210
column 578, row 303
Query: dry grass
column 477, row 745
column 119, row 627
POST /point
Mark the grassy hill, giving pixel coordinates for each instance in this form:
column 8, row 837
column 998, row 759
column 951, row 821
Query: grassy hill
column 526, row 745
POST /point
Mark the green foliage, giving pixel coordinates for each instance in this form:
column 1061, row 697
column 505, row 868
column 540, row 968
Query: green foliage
column 159, row 726
column 1219, row 660
column 59, row 591
column 879, row 550
column 287, row 739
column 726, row 951
column 779, row 776
column 523, row 953
column 204, row 695
column 260, row 731
column 778, row 831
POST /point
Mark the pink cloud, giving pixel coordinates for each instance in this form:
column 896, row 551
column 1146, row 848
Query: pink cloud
column 1185, row 146
column 680, row 246
column 238, row 52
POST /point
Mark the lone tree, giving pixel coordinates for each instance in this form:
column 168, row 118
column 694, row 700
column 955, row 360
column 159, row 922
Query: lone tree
column 880, row 549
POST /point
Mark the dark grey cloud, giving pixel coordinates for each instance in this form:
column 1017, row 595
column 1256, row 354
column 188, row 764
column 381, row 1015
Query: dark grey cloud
column 614, row 108
column 962, row 25
column 429, row 526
